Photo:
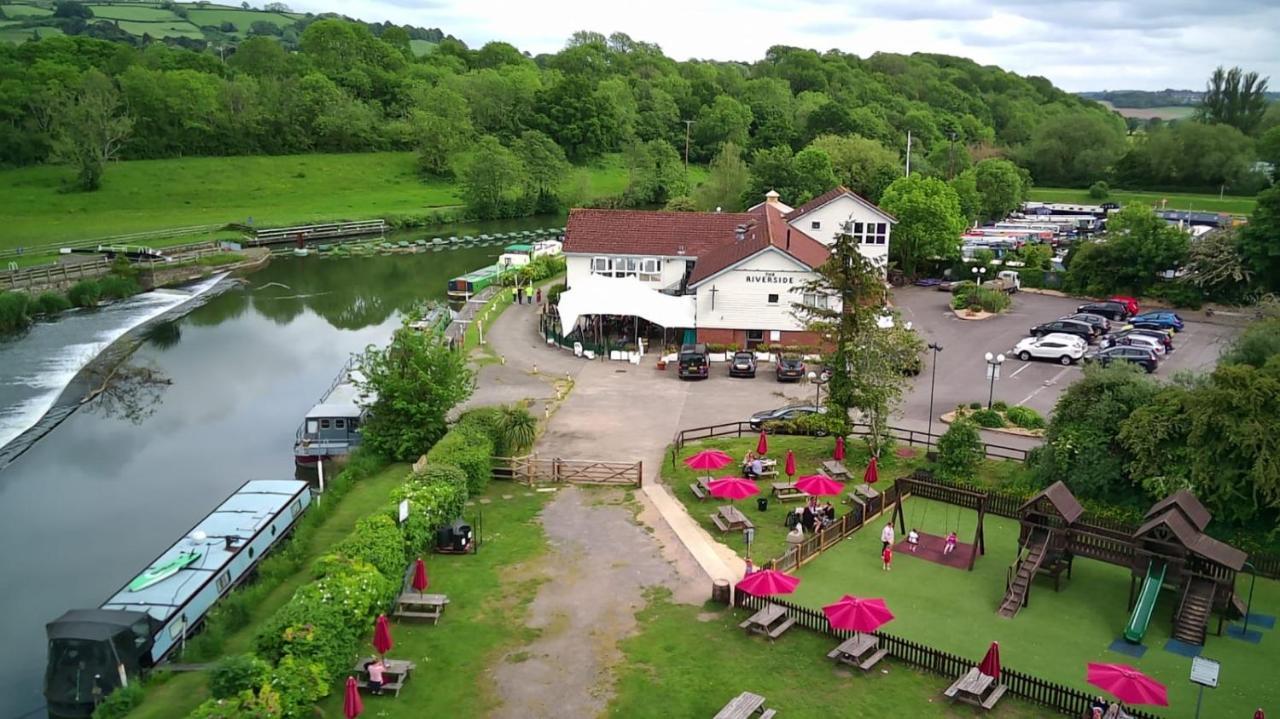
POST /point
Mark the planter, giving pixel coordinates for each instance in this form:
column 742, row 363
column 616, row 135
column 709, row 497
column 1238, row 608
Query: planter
column 968, row 315
column 950, row 417
column 764, row 356
column 717, row 357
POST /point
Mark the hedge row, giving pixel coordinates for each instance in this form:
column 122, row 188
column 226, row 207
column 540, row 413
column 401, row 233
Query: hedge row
column 470, row 446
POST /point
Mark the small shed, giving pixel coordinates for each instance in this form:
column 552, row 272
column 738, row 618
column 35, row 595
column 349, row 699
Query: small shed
column 1187, row 505
column 1054, row 508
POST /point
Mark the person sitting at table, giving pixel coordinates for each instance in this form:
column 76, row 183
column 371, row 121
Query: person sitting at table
column 746, row 461
column 913, row 539
column 375, row 668
column 808, row 519
column 791, row 518
column 950, row 545
column 1097, row 706
column 827, row 514
column 756, row 469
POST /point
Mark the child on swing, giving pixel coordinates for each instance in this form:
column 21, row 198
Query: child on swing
column 913, row 539
column 950, row 545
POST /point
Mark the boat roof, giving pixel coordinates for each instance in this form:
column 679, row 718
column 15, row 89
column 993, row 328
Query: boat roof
column 519, row 247
column 243, row 514
column 344, row 400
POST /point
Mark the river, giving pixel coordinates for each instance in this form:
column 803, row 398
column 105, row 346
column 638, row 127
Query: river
column 211, row 399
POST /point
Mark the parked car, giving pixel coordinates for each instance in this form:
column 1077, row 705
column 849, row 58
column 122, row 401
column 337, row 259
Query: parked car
column 693, row 362
column 1061, row 348
column 1129, row 303
column 1127, row 339
column 1136, row 355
column 785, row 413
column 1113, row 311
column 1158, row 319
column 789, row 368
column 1101, row 325
column 743, row 365
column 1164, row 336
column 1083, row 330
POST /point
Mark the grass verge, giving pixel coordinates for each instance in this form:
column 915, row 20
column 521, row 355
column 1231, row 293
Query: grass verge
column 1176, row 200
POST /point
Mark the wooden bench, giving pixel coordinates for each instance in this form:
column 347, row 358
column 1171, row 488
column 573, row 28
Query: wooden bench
column 393, row 687
column 786, row 491
column 990, row 701
column 781, row 628
column 720, row 523
column 873, row 660
column 698, row 491
column 768, row 713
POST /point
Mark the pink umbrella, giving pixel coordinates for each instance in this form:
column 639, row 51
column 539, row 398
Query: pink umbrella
column 838, row 455
column 382, row 635
column 791, row 463
column 819, row 485
column 857, row 615
column 768, row 582
column 872, row 475
column 762, row 447
column 708, row 459
column 420, row 575
column 732, row 488
column 351, row 704
column 1127, row 684
column 991, row 662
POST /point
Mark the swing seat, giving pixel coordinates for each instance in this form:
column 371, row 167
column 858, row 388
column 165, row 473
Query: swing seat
column 932, row 548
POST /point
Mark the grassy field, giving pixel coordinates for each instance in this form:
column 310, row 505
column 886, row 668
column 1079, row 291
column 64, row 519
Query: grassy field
column 24, row 10
column 131, row 12
column 175, row 28
column 1176, row 200
column 242, row 19
column 1057, row 633
column 421, row 47
column 19, row 35
column 1169, row 112
column 177, row 694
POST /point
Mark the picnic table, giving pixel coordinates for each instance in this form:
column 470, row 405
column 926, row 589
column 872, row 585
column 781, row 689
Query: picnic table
column 700, row 489
column 977, row 689
column 835, row 468
column 861, row 650
column 415, row 605
column 768, row 467
column 743, row 706
column 785, row 491
column 772, row 621
column 729, row 518
column 393, row 677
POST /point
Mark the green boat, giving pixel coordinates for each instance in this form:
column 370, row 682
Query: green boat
column 161, row 572
column 473, row 282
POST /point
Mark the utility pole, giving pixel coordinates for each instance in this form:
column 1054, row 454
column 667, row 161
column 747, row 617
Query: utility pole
column 908, row 153
column 688, row 124
column 951, row 157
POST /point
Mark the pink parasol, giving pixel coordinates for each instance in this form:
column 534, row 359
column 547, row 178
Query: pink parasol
column 351, row 704
column 762, row 447
column 420, row 580
column 819, row 485
column 708, row 459
column 732, row 488
column 838, row 455
column 872, row 475
column 791, row 463
column 768, row 582
column 1127, row 684
column 382, row 635
column 857, row 615
column 991, row 662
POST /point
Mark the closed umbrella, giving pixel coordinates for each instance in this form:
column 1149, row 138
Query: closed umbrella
column 767, row 583
column 420, row 580
column 838, row 455
column 819, row 485
column 351, row 704
column 991, row 662
column 857, row 615
column 732, row 488
column 1127, row 684
column 762, row 446
column 382, row 635
column 791, row 463
column 872, row 475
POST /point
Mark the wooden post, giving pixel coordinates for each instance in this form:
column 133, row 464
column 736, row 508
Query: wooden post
column 640, row 473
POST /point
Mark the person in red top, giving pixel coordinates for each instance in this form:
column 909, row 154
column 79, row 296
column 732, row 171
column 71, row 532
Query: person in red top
column 887, row 557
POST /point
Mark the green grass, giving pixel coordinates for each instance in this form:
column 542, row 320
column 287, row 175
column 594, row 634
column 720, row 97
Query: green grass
column 132, row 12
column 1176, row 200
column 1057, row 633
column 176, row 28
column 22, row 10
column 19, row 35
column 487, row 315
column 242, row 19
column 176, row 695
column 421, row 47
column 488, row 596
column 689, row 661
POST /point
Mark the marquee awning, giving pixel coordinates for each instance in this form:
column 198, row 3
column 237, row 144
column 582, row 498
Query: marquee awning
column 624, row 296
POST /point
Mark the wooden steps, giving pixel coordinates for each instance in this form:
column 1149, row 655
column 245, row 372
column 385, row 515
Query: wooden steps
column 1016, row 596
column 1194, row 611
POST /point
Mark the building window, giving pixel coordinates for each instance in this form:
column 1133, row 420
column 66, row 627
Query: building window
column 339, row 424
column 815, row 225
column 773, row 299
column 600, row 265
column 296, row 508
column 754, row 338
column 324, row 424
column 650, row 269
column 646, row 268
column 224, row 581
column 312, row 426
column 869, row 233
column 815, row 300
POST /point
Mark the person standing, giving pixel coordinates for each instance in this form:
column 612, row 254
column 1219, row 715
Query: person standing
column 887, row 557
column 519, row 295
column 539, row 295
column 886, row 537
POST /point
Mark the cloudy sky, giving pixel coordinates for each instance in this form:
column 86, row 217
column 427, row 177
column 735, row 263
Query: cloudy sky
column 1078, row 44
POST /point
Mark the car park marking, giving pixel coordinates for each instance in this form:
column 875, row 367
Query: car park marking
column 1048, row 383
column 1015, row 372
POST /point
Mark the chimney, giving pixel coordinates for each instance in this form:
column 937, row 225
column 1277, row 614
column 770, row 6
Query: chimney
column 771, row 197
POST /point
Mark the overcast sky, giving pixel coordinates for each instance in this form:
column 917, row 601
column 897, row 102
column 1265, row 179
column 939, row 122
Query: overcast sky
column 1078, row 44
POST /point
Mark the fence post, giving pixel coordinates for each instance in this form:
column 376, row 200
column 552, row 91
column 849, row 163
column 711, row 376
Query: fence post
column 640, row 473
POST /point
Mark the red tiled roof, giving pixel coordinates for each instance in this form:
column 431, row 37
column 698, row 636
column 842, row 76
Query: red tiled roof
column 667, row 234
column 830, row 195
column 790, row 240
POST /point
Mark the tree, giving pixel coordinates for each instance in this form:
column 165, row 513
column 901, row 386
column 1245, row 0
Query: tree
column 772, row 169
column 1260, row 240
column 999, row 187
column 1075, row 149
column 929, row 221
column 1269, row 146
column 442, row 121
column 72, row 9
column 725, row 120
column 681, row 203
column 1144, row 245
column 860, row 164
column 91, row 129
column 726, row 182
column 260, row 57
column 657, row 173
column 813, row 171
column 489, row 177
column 417, row 380
column 1215, row 267
column 960, row 451
column 966, row 187
column 1234, row 97
column 544, row 169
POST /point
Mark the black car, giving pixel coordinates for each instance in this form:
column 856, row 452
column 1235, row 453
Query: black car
column 789, row 368
column 1083, row 330
column 1144, row 358
column 1113, row 311
column 743, row 365
column 1160, row 336
column 789, row 412
column 1101, row 325
column 694, row 363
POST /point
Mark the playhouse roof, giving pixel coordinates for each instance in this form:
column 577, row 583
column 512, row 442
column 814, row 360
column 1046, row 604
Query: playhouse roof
column 1063, row 501
column 1196, row 541
column 1187, row 504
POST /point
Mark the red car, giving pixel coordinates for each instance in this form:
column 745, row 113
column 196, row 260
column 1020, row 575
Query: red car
column 1129, row 303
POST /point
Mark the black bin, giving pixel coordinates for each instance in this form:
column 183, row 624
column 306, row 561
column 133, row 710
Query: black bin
column 762, row 503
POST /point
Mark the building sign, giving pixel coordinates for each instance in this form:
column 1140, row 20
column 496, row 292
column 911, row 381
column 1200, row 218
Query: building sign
column 771, row 278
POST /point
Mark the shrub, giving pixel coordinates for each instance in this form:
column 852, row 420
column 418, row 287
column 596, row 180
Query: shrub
column 1179, row 294
column 85, row 293
column 1024, row 417
column 553, row 294
column 266, row 703
column 375, row 540
column 114, row 287
column 299, row 685
column 959, row 451
column 1000, row 406
column 120, row 702
column 988, row 418
column 14, row 311
column 51, row 303
column 975, row 405
column 325, row 619
column 1099, row 190
column 468, row 447
column 237, row 673
column 436, row 497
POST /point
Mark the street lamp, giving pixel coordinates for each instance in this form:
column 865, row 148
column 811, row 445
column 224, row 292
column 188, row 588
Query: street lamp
column 933, row 381
column 818, row 380
column 979, row 273
column 993, row 371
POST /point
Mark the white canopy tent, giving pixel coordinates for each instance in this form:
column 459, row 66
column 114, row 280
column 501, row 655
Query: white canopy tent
column 623, row 296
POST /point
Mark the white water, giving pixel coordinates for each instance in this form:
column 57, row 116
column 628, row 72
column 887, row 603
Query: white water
column 36, row 367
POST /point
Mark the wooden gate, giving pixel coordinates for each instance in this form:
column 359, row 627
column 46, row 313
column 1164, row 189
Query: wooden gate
column 533, row 470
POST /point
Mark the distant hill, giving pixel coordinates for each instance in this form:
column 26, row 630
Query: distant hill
column 1121, row 99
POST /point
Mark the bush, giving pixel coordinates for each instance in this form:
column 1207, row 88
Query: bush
column 120, row 702
column 1000, row 406
column 436, row 497
column 975, row 405
column 49, row 304
column 468, row 447
column 375, row 540
column 114, row 287
column 1099, row 190
column 959, row 451
column 553, row 294
column 1178, row 294
column 266, row 703
column 971, row 296
column 85, row 293
column 988, row 418
column 237, row 673
column 14, row 311
column 1024, row 417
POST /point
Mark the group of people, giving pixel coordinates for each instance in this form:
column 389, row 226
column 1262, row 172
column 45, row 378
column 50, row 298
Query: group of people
column 913, row 543
column 524, row 296
column 752, row 465
column 812, row 516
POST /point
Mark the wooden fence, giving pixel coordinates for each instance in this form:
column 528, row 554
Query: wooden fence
column 1051, row 695
column 307, row 233
column 828, row 537
column 533, row 470
column 135, row 238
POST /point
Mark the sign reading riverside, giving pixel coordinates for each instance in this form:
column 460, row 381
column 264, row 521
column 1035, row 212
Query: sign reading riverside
column 771, row 278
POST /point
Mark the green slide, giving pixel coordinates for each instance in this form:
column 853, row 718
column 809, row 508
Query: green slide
column 1136, row 629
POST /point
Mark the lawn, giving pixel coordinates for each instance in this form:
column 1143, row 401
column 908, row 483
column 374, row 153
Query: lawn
column 488, row 594
column 242, row 19
column 174, row 28
column 18, row 10
column 132, row 12
column 176, row 695
column 689, row 661
column 19, row 35
column 1056, row 633
column 421, row 47
column 1176, row 200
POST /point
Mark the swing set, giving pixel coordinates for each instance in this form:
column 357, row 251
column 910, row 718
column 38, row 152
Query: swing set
column 933, row 546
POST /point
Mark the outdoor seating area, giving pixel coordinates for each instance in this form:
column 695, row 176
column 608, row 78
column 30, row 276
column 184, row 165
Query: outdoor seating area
column 862, row 651
column 772, row 622
column 787, row 492
column 729, row 518
column 415, row 605
column 976, row 688
column 395, row 674
column 745, row 705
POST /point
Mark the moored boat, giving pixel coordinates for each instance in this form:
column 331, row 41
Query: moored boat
column 331, row 428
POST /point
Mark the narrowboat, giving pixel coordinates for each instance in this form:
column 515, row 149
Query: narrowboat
column 434, row 317
column 473, row 283
column 93, row 652
column 332, row 427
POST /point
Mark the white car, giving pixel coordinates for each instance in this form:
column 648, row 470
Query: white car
column 1143, row 341
column 1062, row 348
